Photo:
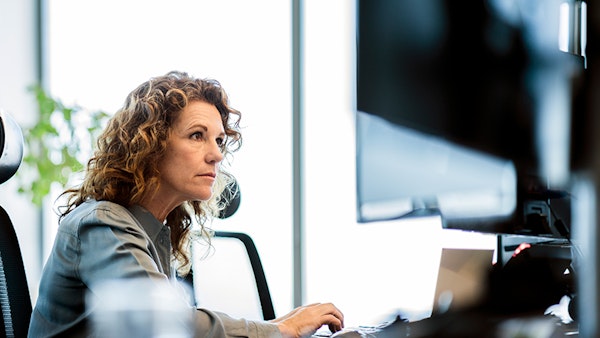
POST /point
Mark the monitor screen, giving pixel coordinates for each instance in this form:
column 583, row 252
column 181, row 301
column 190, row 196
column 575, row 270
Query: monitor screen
column 462, row 111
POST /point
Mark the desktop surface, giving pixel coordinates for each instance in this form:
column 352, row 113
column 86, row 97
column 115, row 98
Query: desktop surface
column 465, row 324
column 482, row 324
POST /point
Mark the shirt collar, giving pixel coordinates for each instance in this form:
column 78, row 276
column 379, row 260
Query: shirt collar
column 151, row 225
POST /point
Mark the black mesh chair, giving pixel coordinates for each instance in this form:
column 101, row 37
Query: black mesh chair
column 15, row 301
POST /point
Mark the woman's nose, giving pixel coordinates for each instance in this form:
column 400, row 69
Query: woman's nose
column 215, row 154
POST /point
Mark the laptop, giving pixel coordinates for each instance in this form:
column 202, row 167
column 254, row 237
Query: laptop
column 461, row 282
column 462, row 278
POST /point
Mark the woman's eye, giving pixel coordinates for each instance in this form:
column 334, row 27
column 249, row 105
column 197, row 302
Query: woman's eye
column 220, row 141
column 196, row 136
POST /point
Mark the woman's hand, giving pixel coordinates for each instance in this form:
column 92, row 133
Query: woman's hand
column 305, row 320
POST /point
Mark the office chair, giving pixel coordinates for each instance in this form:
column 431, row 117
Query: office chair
column 15, row 301
column 259, row 275
column 233, row 267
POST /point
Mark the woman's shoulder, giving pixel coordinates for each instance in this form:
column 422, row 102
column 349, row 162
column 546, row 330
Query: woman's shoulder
column 95, row 212
column 93, row 206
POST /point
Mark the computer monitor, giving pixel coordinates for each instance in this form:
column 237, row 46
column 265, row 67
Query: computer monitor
column 463, row 111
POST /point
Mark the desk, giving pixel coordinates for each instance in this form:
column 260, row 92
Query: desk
column 481, row 325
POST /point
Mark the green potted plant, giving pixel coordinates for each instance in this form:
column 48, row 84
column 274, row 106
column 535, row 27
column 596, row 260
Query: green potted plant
column 57, row 146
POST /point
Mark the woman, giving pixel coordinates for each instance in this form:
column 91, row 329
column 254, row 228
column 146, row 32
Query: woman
column 156, row 170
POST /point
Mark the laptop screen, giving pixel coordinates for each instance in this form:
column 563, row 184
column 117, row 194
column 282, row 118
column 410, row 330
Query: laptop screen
column 462, row 278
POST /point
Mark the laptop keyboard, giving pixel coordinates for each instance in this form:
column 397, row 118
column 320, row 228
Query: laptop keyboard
column 367, row 331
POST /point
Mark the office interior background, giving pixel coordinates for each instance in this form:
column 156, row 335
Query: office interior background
column 93, row 53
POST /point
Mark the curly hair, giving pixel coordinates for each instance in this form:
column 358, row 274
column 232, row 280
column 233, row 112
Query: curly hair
column 124, row 167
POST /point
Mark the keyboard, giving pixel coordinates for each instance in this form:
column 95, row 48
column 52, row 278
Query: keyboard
column 367, row 331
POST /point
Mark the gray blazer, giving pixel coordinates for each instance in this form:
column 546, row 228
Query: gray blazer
column 100, row 241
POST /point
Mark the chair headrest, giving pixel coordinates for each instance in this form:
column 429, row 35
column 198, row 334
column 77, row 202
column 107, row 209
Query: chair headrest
column 233, row 196
column 11, row 146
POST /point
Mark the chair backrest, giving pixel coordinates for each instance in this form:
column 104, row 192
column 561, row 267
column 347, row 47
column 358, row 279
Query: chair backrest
column 231, row 279
column 15, row 301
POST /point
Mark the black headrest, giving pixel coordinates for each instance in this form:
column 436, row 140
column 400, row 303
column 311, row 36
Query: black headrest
column 11, row 146
column 233, row 196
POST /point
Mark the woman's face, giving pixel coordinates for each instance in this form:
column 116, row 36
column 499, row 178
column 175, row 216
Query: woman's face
column 193, row 154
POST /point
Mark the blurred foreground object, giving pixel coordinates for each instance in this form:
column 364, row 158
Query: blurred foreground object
column 141, row 308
